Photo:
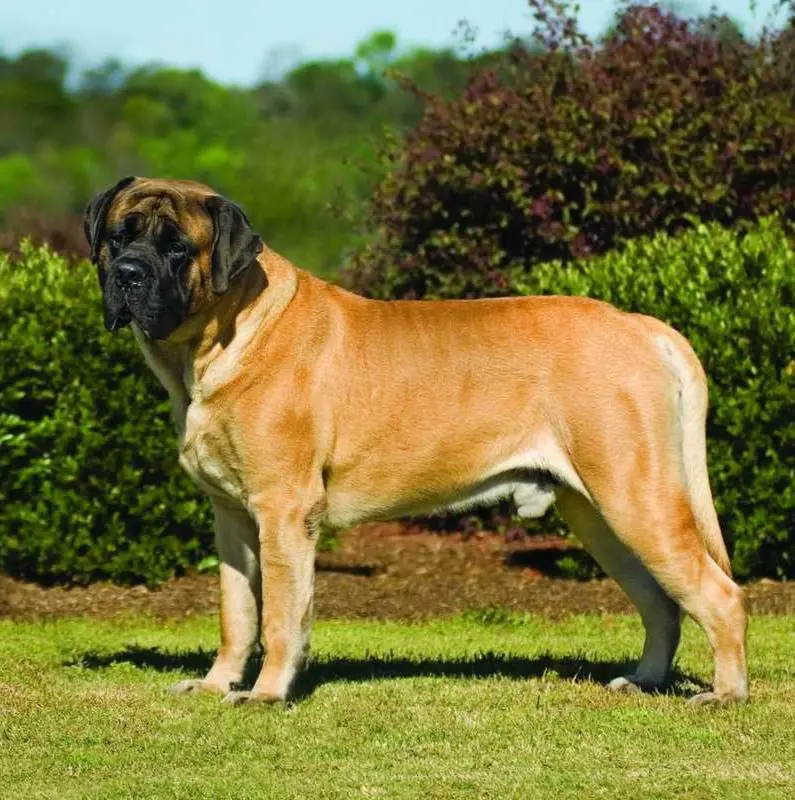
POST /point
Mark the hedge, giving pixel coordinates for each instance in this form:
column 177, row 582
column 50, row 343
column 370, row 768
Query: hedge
column 91, row 487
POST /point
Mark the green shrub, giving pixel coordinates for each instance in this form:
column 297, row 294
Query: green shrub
column 733, row 296
column 91, row 487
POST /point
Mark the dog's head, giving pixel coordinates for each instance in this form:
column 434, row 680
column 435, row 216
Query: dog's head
column 165, row 250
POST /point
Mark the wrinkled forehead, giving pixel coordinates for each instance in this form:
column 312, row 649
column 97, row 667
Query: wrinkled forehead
column 180, row 202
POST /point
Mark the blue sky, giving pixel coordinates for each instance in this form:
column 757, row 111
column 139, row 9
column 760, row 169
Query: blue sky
column 240, row 41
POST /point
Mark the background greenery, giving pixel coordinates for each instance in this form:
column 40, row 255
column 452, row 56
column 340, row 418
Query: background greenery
column 563, row 149
column 553, row 165
column 299, row 153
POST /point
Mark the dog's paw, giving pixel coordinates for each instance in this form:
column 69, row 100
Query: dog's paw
column 624, row 685
column 244, row 698
column 195, row 686
column 713, row 699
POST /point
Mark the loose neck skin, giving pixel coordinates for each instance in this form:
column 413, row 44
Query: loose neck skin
column 189, row 363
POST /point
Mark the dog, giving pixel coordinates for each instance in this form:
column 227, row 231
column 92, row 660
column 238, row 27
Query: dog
column 300, row 405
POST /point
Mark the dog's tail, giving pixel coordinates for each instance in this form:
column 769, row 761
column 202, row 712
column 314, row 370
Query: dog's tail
column 692, row 418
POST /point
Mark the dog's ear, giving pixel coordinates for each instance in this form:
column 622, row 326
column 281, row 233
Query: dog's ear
column 94, row 217
column 235, row 245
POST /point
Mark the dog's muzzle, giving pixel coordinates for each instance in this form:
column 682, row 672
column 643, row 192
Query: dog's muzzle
column 127, row 291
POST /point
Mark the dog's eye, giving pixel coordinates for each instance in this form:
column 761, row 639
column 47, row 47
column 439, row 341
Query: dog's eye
column 115, row 242
column 177, row 251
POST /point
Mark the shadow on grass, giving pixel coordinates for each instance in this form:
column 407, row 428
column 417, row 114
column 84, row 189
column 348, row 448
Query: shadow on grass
column 371, row 668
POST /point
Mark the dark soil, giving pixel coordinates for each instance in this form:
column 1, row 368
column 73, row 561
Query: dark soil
column 387, row 571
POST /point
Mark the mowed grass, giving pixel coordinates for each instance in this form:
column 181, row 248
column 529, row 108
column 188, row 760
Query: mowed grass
column 492, row 705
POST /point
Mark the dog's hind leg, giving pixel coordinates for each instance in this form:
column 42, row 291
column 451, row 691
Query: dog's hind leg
column 660, row 614
column 659, row 527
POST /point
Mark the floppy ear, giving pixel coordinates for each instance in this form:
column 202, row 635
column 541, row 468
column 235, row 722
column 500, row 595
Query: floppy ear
column 235, row 245
column 94, row 217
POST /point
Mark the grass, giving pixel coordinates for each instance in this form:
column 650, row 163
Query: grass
column 490, row 705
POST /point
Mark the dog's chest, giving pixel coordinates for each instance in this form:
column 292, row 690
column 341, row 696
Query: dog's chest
column 206, row 455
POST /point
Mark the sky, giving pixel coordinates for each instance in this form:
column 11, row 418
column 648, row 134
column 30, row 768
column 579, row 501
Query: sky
column 242, row 41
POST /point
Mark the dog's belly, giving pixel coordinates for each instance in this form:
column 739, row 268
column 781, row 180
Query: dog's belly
column 531, row 479
column 533, row 492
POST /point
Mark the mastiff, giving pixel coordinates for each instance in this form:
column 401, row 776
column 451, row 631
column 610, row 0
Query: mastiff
column 300, row 405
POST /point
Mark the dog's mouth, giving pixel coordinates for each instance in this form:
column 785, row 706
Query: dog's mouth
column 152, row 314
column 116, row 321
column 125, row 303
column 118, row 313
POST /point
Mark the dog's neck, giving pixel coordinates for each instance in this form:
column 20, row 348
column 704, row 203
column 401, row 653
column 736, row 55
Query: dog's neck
column 191, row 363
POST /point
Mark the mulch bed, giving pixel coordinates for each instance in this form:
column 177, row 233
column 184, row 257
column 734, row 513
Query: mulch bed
column 389, row 571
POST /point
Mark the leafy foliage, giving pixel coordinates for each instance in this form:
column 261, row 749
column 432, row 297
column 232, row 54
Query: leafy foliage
column 562, row 149
column 91, row 486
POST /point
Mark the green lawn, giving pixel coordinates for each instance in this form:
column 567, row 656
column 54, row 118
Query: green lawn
column 489, row 706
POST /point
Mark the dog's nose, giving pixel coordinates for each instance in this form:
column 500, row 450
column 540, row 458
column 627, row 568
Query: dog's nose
column 130, row 273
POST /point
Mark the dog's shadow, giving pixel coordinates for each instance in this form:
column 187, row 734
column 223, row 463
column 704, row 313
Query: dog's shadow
column 324, row 670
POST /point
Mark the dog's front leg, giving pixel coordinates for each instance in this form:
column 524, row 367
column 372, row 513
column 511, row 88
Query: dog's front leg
column 287, row 540
column 238, row 549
